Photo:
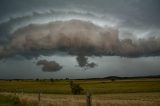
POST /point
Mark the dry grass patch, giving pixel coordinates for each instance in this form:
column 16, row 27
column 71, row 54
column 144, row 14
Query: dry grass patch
column 131, row 99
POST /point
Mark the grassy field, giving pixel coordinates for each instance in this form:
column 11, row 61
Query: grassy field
column 135, row 92
column 127, row 99
column 9, row 100
column 93, row 86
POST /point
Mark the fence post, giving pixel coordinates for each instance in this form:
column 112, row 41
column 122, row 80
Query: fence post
column 15, row 92
column 39, row 96
column 22, row 91
column 88, row 99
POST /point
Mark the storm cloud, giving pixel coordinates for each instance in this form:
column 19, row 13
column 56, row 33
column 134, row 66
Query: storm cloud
column 84, row 63
column 49, row 66
column 93, row 34
column 76, row 36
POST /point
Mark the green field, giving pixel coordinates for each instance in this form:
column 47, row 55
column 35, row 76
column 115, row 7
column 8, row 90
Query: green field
column 131, row 92
column 93, row 86
column 9, row 101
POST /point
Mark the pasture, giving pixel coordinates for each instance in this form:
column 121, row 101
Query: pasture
column 131, row 92
column 93, row 86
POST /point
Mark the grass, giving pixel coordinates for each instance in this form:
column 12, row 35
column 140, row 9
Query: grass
column 9, row 101
column 94, row 86
column 135, row 92
column 127, row 99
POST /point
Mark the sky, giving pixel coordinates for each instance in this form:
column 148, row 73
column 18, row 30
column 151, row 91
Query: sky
column 79, row 38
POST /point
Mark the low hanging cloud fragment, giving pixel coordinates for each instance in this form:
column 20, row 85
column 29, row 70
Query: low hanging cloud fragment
column 83, row 62
column 49, row 66
column 75, row 37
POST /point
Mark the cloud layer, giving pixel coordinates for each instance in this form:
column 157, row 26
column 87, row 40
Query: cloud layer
column 76, row 37
column 49, row 66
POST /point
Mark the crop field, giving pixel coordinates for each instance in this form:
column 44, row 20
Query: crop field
column 131, row 92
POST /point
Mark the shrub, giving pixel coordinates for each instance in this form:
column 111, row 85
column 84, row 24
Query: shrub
column 75, row 88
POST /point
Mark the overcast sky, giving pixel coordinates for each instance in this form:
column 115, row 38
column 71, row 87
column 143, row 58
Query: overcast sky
column 79, row 38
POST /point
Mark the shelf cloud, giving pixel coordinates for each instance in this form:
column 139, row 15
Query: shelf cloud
column 76, row 36
column 94, row 35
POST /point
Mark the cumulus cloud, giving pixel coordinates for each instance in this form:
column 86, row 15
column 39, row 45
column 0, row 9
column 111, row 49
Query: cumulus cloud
column 75, row 37
column 49, row 66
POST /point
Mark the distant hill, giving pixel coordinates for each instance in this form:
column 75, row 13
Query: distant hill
column 105, row 78
column 121, row 78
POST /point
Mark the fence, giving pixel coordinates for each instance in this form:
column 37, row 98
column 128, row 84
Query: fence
column 88, row 98
column 39, row 95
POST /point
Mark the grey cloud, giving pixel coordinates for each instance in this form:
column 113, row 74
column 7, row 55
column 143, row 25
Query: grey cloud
column 13, row 23
column 49, row 66
column 133, row 12
column 75, row 36
column 135, row 15
column 83, row 62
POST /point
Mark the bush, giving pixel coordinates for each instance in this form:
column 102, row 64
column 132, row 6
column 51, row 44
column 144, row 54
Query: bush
column 75, row 88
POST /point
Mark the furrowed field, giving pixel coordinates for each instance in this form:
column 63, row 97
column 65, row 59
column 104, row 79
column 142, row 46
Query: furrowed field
column 135, row 92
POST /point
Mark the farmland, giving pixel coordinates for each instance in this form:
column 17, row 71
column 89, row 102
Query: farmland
column 130, row 92
column 93, row 86
column 9, row 100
